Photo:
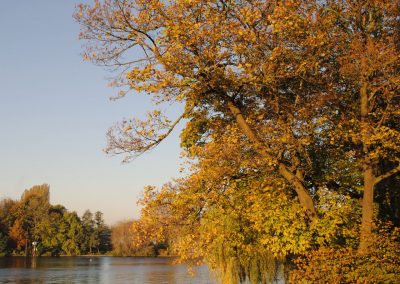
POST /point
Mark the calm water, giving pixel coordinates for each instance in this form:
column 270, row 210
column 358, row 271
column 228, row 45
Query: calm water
column 98, row 270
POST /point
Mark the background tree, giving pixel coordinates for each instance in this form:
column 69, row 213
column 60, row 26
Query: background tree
column 3, row 244
column 102, row 233
column 89, row 234
column 74, row 233
column 19, row 235
column 33, row 209
column 122, row 239
column 53, row 233
column 7, row 219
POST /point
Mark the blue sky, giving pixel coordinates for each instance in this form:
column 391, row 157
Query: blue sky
column 55, row 111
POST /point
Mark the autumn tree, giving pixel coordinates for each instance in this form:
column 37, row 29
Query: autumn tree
column 369, row 65
column 303, row 94
column 356, row 44
column 121, row 239
column 29, row 214
column 7, row 219
column 33, row 209
column 7, row 216
column 198, row 52
column 18, row 235
column 153, row 232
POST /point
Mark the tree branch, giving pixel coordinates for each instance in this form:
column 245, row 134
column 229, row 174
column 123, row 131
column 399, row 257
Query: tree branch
column 294, row 179
column 387, row 174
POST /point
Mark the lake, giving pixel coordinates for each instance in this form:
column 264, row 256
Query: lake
column 143, row 270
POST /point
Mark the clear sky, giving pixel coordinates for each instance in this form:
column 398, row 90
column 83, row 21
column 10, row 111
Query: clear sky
column 55, row 111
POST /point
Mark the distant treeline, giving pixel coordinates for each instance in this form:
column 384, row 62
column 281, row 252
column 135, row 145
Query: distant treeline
column 33, row 226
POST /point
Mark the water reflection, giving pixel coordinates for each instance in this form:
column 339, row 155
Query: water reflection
column 98, row 270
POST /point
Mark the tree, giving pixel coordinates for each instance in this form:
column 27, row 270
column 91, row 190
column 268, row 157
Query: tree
column 136, row 238
column 74, row 233
column 369, row 64
column 102, row 233
column 53, row 231
column 28, row 216
column 360, row 55
column 19, row 235
column 7, row 219
column 88, row 227
column 3, row 244
column 212, row 71
column 121, row 239
column 306, row 90
column 33, row 209
column 7, row 214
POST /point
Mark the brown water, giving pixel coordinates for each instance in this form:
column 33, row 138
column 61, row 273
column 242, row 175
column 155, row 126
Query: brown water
column 141, row 270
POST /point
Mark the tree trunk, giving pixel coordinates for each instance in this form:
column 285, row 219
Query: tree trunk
column 302, row 192
column 368, row 175
column 367, row 211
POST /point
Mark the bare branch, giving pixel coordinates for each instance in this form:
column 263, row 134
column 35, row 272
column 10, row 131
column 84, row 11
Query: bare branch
column 134, row 141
